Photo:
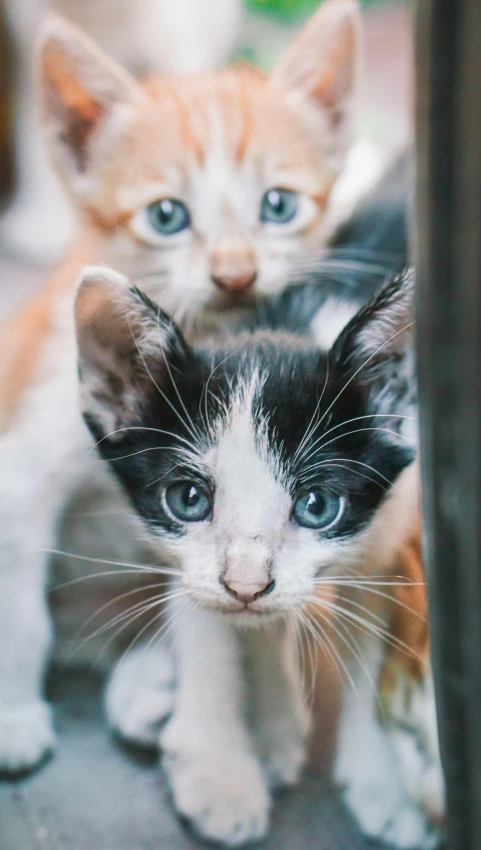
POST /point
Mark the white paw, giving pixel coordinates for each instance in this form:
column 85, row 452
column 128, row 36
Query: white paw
column 26, row 737
column 433, row 793
column 388, row 816
column 421, row 773
column 140, row 694
column 221, row 792
column 37, row 233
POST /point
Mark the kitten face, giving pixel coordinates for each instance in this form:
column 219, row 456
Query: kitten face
column 266, row 465
column 207, row 186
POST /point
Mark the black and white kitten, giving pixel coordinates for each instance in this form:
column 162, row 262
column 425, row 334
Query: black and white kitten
column 266, row 469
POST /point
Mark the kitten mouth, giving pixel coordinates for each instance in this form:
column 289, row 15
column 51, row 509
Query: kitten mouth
column 226, row 301
column 242, row 611
column 246, row 612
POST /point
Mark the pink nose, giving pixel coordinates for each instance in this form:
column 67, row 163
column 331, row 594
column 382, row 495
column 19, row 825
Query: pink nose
column 247, row 592
column 237, row 283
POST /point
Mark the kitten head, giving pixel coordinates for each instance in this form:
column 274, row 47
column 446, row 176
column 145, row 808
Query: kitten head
column 205, row 185
column 260, row 467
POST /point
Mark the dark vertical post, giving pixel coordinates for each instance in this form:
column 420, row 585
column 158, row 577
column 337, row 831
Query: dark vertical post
column 448, row 248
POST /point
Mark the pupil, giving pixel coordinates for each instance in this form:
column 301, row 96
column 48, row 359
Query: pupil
column 165, row 212
column 191, row 496
column 315, row 504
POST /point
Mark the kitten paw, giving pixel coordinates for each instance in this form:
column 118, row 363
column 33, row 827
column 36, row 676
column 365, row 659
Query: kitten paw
column 140, row 695
column 389, row 817
column 26, row 737
column 221, row 793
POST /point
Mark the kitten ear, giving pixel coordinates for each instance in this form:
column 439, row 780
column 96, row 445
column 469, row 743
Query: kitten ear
column 125, row 344
column 86, row 102
column 375, row 348
column 321, row 70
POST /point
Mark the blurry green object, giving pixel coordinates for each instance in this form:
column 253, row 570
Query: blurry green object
column 291, row 9
column 287, row 9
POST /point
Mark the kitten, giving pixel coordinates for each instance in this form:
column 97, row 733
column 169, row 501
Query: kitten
column 195, row 36
column 268, row 472
column 204, row 188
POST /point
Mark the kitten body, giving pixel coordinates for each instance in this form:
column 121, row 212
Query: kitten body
column 222, row 448
column 173, row 181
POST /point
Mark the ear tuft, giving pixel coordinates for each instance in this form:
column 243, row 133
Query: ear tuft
column 86, row 100
column 321, row 70
column 380, row 335
column 97, row 286
column 124, row 343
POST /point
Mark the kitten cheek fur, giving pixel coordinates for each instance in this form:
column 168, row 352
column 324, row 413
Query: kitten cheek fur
column 217, row 416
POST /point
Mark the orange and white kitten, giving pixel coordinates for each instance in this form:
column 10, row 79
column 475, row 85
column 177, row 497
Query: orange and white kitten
column 202, row 189
column 188, row 36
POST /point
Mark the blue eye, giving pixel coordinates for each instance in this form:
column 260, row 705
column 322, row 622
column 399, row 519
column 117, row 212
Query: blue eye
column 279, row 206
column 318, row 509
column 188, row 502
column 168, row 216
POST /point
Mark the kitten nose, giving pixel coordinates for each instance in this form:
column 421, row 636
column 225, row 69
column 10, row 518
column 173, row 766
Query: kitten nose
column 235, row 284
column 233, row 265
column 247, row 592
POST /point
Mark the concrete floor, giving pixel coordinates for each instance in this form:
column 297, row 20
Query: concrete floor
column 96, row 795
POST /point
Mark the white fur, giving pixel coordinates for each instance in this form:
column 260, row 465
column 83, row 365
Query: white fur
column 367, row 767
column 46, row 460
column 143, row 35
column 330, row 320
column 215, row 776
column 140, row 693
column 34, row 487
column 412, row 726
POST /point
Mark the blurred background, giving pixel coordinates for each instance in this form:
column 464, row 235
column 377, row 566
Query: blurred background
column 269, row 26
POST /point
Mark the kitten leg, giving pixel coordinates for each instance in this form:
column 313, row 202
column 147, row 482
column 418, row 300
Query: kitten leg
column 42, row 459
column 29, row 506
column 26, row 733
column 367, row 767
column 216, row 780
column 140, row 693
column 410, row 719
column 281, row 716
